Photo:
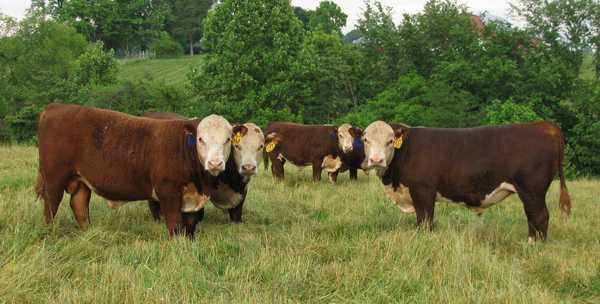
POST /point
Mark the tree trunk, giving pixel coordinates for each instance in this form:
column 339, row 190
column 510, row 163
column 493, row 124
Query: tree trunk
column 191, row 39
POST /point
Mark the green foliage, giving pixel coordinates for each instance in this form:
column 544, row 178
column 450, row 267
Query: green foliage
column 188, row 18
column 165, row 46
column 328, row 18
column 418, row 102
column 510, row 112
column 252, row 47
column 138, row 97
column 42, row 62
column 122, row 25
column 96, row 66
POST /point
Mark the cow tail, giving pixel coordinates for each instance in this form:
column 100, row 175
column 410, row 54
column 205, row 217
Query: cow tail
column 565, row 198
column 40, row 186
column 265, row 159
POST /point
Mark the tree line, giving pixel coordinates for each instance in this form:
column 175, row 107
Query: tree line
column 267, row 60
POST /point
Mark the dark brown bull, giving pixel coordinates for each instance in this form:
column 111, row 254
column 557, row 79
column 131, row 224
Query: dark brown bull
column 302, row 145
column 477, row 166
column 126, row 158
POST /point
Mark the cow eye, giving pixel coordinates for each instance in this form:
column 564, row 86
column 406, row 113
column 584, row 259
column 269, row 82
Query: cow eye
column 228, row 140
column 365, row 140
column 261, row 147
column 390, row 142
column 200, row 139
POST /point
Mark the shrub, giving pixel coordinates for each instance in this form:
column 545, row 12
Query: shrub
column 499, row 112
column 96, row 66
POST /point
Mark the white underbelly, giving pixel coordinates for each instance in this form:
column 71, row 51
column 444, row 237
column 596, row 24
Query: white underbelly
column 401, row 197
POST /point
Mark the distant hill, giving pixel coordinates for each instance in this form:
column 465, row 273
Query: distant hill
column 171, row 71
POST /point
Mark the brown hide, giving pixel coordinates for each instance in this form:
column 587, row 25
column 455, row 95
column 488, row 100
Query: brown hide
column 120, row 157
column 464, row 165
column 300, row 144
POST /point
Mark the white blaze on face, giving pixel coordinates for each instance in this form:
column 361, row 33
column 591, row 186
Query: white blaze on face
column 379, row 150
column 345, row 139
column 213, row 145
column 248, row 153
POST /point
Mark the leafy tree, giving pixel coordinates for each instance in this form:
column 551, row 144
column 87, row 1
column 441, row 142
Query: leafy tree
column 328, row 18
column 304, row 16
column 251, row 49
column 188, row 18
column 567, row 26
column 510, row 112
column 165, row 46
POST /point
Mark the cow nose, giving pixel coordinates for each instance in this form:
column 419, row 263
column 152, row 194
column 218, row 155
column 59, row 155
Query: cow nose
column 249, row 168
column 376, row 160
column 215, row 164
column 347, row 149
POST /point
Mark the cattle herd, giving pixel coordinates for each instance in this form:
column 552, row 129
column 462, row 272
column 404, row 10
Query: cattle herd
column 178, row 164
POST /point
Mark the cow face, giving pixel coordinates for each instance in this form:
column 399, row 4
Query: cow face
column 248, row 142
column 380, row 142
column 213, row 143
column 345, row 139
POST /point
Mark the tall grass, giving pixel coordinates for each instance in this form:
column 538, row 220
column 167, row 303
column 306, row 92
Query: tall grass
column 171, row 71
column 301, row 242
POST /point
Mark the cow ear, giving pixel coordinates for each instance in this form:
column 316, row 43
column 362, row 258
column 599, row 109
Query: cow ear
column 240, row 129
column 190, row 128
column 333, row 133
column 400, row 136
column 355, row 132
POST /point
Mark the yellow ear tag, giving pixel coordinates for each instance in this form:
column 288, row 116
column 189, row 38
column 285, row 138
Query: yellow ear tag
column 270, row 147
column 236, row 138
column 398, row 142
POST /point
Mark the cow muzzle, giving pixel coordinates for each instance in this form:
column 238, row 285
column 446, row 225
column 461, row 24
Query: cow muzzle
column 347, row 149
column 215, row 166
column 248, row 170
column 376, row 162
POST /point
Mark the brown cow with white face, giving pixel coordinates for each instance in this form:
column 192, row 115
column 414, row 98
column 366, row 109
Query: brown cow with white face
column 227, row 190
column 126, row 158
column 478, row 166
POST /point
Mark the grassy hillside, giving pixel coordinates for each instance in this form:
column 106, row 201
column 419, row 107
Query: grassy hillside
column 301, row 242
column 171, row 71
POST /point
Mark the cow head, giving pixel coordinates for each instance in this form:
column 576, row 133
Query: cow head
column 380, row 142
column 349, row 138
column 248, row 142
column 213, row 143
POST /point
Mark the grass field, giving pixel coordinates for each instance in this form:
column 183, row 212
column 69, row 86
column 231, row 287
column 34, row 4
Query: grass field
column 301, row 242
column 171, row 71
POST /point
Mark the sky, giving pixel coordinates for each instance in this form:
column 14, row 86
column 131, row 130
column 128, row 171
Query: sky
column 353, row 8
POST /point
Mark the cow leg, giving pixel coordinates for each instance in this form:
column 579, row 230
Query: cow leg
column 235, row 213
column 353, row 173
column 537, row 214
column 154, row 207
column 170, row 200
column 52, row 195
column 276, row 167
column 317, row 168
column 80, row 205
column 424, row 202
column 190, row 221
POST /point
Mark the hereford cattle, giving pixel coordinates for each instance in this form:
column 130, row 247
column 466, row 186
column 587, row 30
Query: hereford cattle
column 228, row 190
column 127, row 158
column 303, row 145
column 352, row 154
column 478, row 166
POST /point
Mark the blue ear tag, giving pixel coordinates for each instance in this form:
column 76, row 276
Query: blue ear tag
column 357, row 144
column 190, row 140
